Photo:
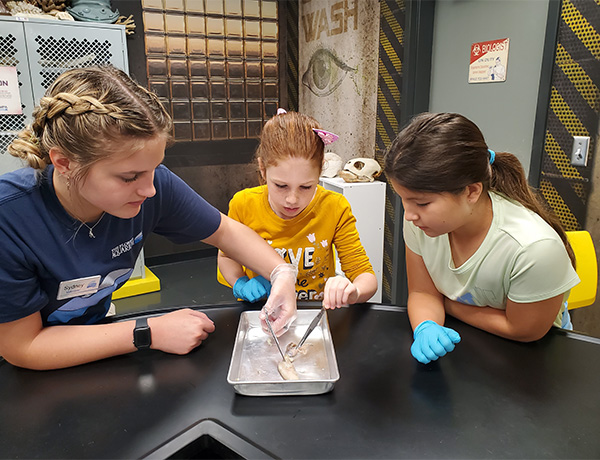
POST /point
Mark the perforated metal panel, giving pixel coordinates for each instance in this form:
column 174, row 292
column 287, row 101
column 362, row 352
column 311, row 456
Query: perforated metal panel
column 43, row 49
column 12, row 54
column 391, row 58
column 574, row 111
column 55, row 48
column 56, row 54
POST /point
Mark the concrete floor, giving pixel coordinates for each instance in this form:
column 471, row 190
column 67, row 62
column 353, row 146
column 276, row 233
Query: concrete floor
column 194, row 282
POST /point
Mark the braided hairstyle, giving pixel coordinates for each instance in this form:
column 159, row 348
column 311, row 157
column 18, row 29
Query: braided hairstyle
column 86, row 112
column 445, row 152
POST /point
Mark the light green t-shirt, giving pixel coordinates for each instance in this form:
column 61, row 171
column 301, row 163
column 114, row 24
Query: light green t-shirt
column 522, row 258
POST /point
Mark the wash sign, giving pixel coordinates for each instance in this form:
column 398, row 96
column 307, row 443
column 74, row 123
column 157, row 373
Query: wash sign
column 489, row 61
column 10, row 98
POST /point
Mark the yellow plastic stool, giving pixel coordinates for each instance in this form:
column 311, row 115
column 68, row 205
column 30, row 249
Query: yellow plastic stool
column 149, row 283
column 584, row 293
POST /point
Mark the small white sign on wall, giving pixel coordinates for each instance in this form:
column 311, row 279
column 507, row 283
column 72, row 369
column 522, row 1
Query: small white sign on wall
column 489, row 61
column 10, row 98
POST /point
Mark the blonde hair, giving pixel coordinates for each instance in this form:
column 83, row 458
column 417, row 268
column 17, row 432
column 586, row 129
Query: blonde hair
column 84, row 111
column 290, row 135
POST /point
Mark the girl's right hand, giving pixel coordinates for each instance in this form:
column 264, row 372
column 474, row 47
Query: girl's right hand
column 432, row 341
column 281, row 304
column 179, row 332
column 251, row 289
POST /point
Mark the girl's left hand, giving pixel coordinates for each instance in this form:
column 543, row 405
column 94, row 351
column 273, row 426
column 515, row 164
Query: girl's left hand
column 339, row 291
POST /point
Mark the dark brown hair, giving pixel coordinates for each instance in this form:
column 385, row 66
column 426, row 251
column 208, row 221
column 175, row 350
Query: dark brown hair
column 84, row 112
column 445, row 152
column 290, row 135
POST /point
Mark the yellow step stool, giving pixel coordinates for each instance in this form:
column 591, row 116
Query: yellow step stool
column 137, row 286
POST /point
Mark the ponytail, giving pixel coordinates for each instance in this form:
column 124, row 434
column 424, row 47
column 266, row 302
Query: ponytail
column 445, row 152
column 508, row 178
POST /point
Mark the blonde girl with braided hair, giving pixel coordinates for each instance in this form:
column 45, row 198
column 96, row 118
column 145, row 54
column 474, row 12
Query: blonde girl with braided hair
column 73, row 222
column 480, row 244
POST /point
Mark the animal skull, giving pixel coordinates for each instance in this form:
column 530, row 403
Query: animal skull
column 360, row 170
column 332, row 163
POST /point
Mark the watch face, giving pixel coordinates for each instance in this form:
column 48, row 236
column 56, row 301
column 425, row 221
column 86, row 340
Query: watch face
column 142, row 337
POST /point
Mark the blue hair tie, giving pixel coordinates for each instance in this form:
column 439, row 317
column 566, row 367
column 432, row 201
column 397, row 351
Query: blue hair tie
column 492, row 156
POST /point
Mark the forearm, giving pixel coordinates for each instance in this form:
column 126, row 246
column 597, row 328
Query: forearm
column 58, row 347
column 229, row 268
column 496, row 321
column 423, row 306
column 245, row 246
column 425, row 302
column 366, row 285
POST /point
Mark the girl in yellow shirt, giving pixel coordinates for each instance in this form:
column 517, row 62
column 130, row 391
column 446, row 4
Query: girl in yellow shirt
column 300, row 219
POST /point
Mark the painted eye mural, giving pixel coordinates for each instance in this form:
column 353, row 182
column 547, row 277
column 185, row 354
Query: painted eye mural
column 325, row 72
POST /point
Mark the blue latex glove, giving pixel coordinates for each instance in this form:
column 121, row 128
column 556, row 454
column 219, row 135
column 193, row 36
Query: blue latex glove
column 251, row 290
column 432, row 341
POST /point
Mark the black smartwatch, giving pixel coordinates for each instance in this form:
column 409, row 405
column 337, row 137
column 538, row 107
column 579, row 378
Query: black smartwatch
column 142, row 336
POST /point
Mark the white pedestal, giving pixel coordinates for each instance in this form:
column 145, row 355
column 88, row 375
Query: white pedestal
column 368, row 206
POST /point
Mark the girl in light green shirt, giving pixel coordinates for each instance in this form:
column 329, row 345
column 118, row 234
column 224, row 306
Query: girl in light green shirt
column 480, row 245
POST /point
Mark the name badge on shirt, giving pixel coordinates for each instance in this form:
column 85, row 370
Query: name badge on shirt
column 78, row 287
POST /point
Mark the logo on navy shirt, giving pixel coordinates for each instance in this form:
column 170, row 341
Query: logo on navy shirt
column 126, row 246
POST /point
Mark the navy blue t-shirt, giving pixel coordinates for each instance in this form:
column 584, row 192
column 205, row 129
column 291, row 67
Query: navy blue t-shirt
column 42, row 246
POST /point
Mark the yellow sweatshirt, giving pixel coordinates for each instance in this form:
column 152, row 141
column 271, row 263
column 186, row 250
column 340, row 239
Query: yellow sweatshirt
column 308, row 239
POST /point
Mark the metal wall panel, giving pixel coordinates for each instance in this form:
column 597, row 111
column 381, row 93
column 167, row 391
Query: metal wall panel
column 291, row 18
column 391, row 56
column 14, row 54
column 43, row 49
column 58, row 46
column 574, row 111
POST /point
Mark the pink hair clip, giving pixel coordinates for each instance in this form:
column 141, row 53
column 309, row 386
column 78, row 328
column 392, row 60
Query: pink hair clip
column 280, row 111
column 326, row 136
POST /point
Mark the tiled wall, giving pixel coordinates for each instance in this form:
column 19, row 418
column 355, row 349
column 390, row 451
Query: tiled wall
column 214, row 64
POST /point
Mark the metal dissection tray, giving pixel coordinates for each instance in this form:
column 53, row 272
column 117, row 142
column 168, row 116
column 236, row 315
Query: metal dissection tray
column 253, row 368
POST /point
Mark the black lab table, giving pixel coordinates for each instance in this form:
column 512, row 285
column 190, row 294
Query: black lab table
column 490, row 398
